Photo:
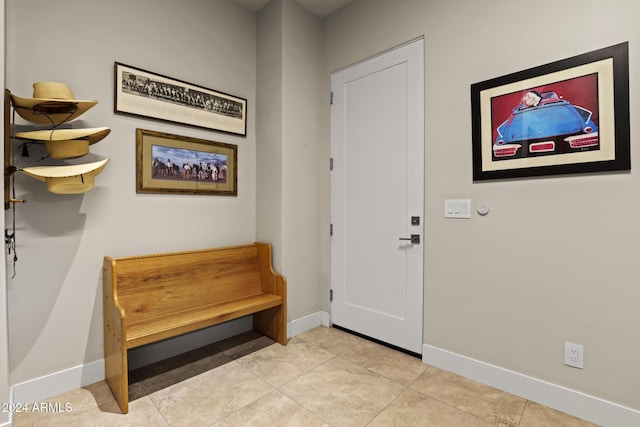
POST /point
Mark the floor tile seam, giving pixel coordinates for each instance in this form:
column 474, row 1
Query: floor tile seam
column 319, row 414
column 238, row 365
column 446, row 403
column 144, row 389
column 312, row 410
column 274, row 386
column 320, row 346
column 212, row 423
column 278, row 388
column 304, row 408
column 449, row 405
column 155, row 406
column 395, row 381
column 524, row 409
column 30, row 420
column 147, row 392
column 336, row 335
column 467, row 412
column 404, row 386
column 316, row 413
column 243, row 407
column 108, row 397
column 418, row 377
column 380, row 374
column 250, row 371
column 388, row 405
column 52, row 416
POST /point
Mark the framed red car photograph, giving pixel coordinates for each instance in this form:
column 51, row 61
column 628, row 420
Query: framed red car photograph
column 569, row 116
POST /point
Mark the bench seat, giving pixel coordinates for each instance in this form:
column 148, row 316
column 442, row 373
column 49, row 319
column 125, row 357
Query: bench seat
column 152, row 330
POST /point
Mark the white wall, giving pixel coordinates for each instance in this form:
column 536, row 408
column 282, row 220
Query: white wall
column 288, row 149
column 269, row 223
column 302, row 99
column 555, row 259
column 55, row 310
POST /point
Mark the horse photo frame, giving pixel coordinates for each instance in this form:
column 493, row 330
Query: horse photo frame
column 167, row 163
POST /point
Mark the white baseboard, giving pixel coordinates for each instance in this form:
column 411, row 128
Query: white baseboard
column 56, row 383
column 303, row 324
column 45, row 387
column 563, row 399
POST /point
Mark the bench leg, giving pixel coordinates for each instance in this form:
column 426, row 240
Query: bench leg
column 273, row 323
column 118, row 381
column 115, row 357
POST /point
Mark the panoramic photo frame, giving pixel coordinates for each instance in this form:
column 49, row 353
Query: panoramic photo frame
column 144, row 94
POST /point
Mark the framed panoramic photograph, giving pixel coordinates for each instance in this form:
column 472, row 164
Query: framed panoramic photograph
column 569, row 116
column 167, row 163
column 145, row 94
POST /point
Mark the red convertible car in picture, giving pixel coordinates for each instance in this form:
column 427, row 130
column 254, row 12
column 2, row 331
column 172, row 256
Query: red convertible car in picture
column 542, row 124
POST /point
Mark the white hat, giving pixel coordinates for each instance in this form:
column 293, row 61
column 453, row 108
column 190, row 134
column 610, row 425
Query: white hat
column 53, row 103
column 66, row 143
column 67, row 179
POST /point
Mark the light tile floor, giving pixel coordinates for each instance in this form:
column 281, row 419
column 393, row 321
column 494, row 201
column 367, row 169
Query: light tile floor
column 324, row 377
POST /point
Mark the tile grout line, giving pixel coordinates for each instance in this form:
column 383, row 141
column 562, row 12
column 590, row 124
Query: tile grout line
column 524, row 409
column 449, row 404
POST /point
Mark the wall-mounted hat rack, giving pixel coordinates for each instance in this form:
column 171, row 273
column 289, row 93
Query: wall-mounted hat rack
column 52, row 105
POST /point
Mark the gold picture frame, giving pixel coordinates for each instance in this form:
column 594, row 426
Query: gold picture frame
column 167, row 163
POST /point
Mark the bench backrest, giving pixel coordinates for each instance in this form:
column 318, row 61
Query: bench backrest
column 154, row 285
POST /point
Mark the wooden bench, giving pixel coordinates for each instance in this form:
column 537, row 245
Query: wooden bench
column 153, row 297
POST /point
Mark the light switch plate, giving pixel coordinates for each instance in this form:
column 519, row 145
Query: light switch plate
column 457, row 208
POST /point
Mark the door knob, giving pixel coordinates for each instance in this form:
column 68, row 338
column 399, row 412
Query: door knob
column 415, row 238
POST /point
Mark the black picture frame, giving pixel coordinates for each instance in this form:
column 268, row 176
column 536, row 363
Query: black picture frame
column 141, row 93
column 519, row 127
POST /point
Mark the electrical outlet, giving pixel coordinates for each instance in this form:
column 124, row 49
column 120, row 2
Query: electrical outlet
column 574, row 355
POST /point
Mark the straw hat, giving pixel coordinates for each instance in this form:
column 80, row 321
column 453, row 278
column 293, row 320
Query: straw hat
column 66, row 143
column 68, row 179
column 52, row 103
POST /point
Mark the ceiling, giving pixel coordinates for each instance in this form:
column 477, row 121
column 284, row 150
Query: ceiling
column 320, row 8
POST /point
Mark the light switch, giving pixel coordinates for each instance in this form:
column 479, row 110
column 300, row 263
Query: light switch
column 457, row 208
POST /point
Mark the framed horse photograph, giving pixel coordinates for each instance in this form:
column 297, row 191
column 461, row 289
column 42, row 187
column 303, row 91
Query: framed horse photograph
column 167, row 163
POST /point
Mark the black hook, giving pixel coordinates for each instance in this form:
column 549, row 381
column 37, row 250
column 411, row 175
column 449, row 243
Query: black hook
column 8, row 238
column 25, row 150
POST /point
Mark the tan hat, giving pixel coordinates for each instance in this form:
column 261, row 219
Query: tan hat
column 53, row 103
column 66, row 143
column 67, row 179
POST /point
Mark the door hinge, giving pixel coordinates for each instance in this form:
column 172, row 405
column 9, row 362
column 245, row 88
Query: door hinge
column 330, row 229
column 330, row 295
column 331, row 164
column 331, row 98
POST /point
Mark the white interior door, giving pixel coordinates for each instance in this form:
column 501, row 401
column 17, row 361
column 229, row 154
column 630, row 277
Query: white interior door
column 377, row 187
